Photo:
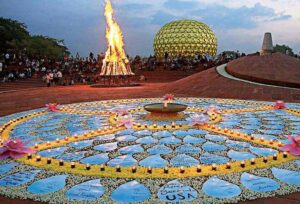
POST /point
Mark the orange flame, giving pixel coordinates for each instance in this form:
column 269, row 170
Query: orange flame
column 115, row 62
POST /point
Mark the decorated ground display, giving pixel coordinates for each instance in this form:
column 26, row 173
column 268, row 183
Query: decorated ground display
column 216, row 150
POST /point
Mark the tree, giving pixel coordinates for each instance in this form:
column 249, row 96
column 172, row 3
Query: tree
column 283, row 49
column 14, row 36
column 11, row 32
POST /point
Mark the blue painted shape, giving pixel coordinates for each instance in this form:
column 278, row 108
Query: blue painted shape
column 126, row 138
column 213, row 147
column 125, row 132
column 155, row 161
column 105, row 137
column 131, row 192
column 124, row 160
column 170, row 140
column 19, row 178
column 180, row 133
column 193, row 140
column 184, row 160
column 207, row 158
column 107, row 147
column 162, row 134
column 271, row 132
column 71, row 157
column 147, row 140
column 48, row 185
column 96, row 159
column 188, row 149
column 297, row 163
column 266, row 137
column 53, row 152
column 217, row 188
column 237, row 144
column 263, row 151
column 87, row 191
column 81, row 144
column 142, row 133
column 175, row 192
column 216, row 138
column 197, row 132
column 258, row 184
column 287, row 176
column 4, row 168
column 239, row 156
column 131, row 149
column 159, row 149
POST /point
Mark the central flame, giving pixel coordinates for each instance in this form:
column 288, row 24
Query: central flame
column 115, row 62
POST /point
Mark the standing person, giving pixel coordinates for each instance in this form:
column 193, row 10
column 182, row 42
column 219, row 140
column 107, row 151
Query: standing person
column 48, row 80
column 59, row 77
column 51, row 77
column 1, row 66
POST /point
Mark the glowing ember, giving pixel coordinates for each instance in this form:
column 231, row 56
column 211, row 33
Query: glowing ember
column 115, row 62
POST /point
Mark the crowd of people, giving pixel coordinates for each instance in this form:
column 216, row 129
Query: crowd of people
column 71, row 70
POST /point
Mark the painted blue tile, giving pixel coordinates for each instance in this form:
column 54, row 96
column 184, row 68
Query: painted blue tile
column 217, row 188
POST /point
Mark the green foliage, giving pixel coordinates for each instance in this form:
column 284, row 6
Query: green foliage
column 14, row 36
column 282, row 49
column 11, row 32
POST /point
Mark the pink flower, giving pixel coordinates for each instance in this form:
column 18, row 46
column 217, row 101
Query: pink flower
column 168, row 97
column 279, row 105
column 121, row 111
column 212, row 109
column 126, row 121
column 14, row 149
column 52, row 107
column 198, row 119
column 294, row 147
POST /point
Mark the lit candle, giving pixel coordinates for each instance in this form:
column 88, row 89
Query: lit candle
column 285, row 154
column 118, row 168
column 228, row 166
column 262, row 139
column 252, row 161
column 182, row 169
column 87, row 166
column 275, row 157
column 166, row 170
column 36, row 146
column 72, row 165
column 225, row 130
column 57, row 140
column 155, row 125
column 66, row 138
column 29, row 156
column 199, row 169
column 133, row 169
column 38, row 158
column 149, row 170
column 61, row 162
column 48, row 160
column 265, row 159
column 243, row 164
column 102, row 168
column 173, row 124
column 214, row 167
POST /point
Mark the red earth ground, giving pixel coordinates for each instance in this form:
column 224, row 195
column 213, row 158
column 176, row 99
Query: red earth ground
column 204, row 84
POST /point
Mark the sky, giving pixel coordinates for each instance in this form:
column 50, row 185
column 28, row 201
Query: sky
column 238, row 24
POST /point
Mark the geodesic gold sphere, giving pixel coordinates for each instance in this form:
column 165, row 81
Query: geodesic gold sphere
column 186, row 38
